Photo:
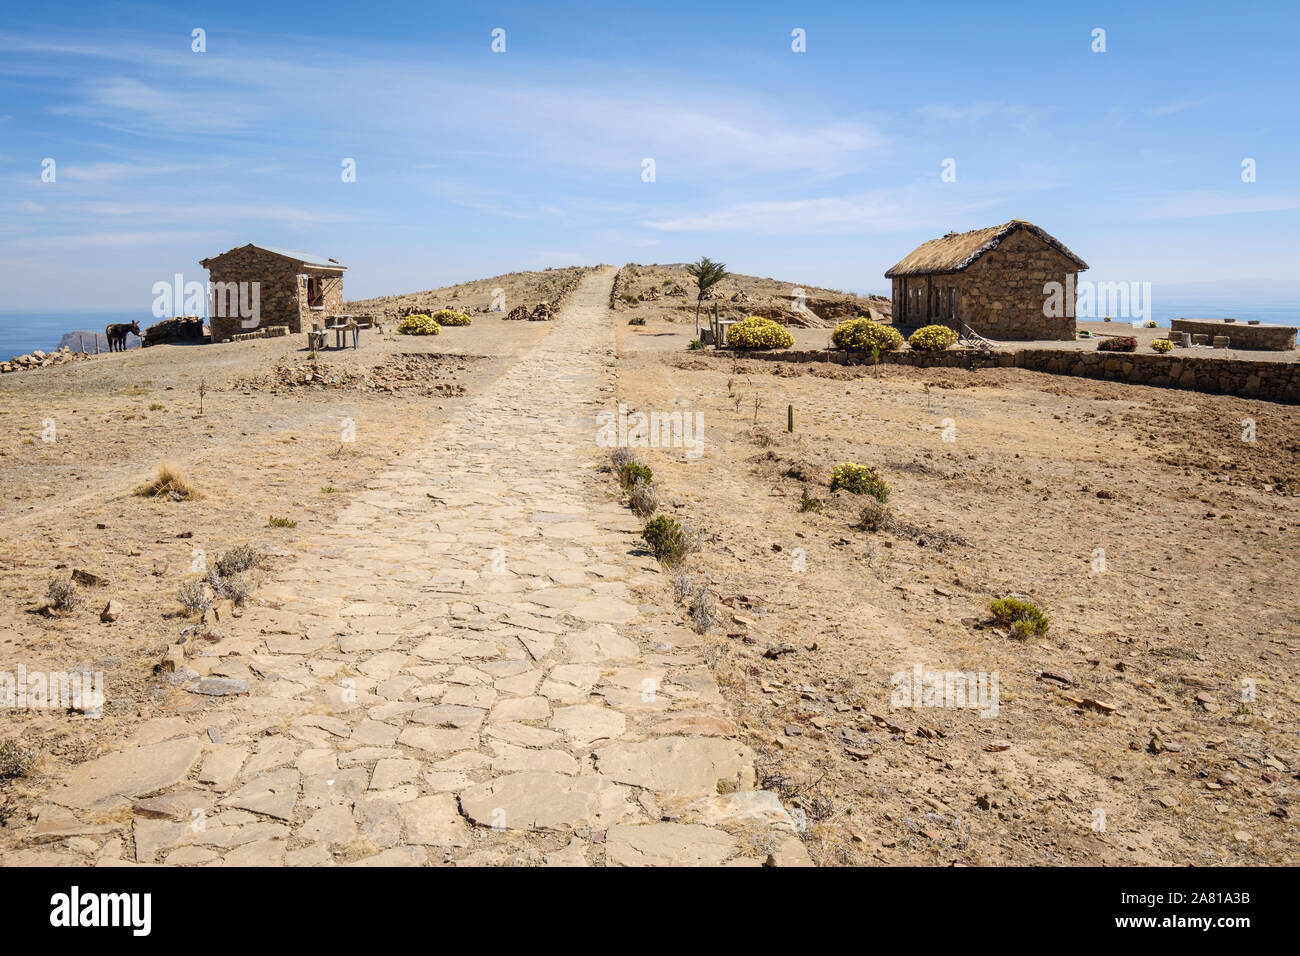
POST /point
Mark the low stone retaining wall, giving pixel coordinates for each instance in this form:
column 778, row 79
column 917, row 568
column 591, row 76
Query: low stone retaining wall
column 1271, row 381
column 1241, row 335
column 266, row 332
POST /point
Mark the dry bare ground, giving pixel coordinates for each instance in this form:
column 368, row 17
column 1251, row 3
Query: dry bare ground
column 1156, row 720
column 281, row 434
column 1121, row 735
column 666, row 295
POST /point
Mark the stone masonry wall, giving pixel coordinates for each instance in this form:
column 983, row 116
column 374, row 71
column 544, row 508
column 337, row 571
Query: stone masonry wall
column 1275, row 338
column 1001, row 293
column 331, row 299
column 1271, row 381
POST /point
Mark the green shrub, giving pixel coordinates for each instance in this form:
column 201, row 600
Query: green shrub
column 629, row 474
column 757, row 332
column 696, row 345
column 450, row 317
column 665, row 538
column 419, row 325
column 932, row 338
column 1024, row 618
column 861, row 335
column 636, row 320
column 278, row 522
column 1162, row 345
column 807, row 503
column 860, row 480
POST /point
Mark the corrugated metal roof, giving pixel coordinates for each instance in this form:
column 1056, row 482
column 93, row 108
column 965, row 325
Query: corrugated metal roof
column 304, row 257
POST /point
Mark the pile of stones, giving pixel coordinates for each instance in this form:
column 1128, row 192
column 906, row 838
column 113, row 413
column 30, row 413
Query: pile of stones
column 39, row 359
column 182, row 328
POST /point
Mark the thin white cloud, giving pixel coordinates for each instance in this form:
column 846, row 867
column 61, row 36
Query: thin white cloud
column 1170, row 109
column 1195, row 203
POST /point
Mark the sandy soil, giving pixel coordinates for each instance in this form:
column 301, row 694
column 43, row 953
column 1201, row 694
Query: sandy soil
column 1122, row 736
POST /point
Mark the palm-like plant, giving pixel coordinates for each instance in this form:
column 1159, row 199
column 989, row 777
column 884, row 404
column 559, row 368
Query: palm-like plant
column 707, row 274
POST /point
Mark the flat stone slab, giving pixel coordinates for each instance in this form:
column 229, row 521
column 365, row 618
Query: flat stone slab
column 220, row 687
column 332, row 826
column 130, row 773
column 435, row 821
column 272, row 794
column 598, row 645
column 586, row 723
column 438, row 740
column 667, row 844
column 684, row 766
column 540, row 800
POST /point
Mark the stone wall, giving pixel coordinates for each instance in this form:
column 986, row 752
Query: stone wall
column 1271, row 381
column 1000, row 295
column 331, row 298
column 1274, row 338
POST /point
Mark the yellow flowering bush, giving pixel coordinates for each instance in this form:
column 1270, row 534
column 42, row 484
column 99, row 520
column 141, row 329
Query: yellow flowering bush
column 860, row 480
column 418, row 325
column 757, row 332
column 932, row 338
column 450, row 317
column 859, row 335
column 1162, row 345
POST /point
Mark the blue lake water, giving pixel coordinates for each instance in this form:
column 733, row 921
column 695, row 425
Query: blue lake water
column 22, row 332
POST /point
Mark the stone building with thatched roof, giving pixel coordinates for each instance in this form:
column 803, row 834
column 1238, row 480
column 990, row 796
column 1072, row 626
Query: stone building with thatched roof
column 990, row 279
column 293, row 288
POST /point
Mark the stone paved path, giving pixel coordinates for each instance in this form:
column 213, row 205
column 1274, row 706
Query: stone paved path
column 459, row 672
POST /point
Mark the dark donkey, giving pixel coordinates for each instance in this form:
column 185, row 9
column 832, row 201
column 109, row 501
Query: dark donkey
column 116, row 335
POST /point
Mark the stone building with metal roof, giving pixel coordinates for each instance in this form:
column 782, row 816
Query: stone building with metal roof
column 253, row 287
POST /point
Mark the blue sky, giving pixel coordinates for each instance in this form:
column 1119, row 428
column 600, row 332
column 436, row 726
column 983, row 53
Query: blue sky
column 822, row 167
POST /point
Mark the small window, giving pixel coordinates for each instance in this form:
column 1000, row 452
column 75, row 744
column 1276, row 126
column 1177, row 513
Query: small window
column 315, row 297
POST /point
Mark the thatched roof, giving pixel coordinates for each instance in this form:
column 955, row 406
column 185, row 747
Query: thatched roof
column 957, row 250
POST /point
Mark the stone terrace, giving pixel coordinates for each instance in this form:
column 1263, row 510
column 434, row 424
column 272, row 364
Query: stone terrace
column 458, row 672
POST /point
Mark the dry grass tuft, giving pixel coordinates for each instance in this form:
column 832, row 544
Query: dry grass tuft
column 641, row 498
column 16, row 759
column 170, row 482
column 63, row 596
